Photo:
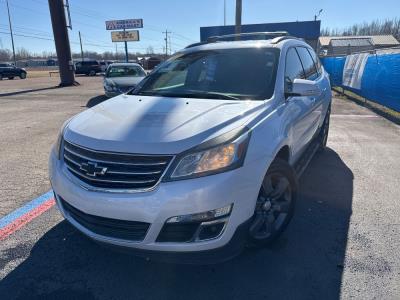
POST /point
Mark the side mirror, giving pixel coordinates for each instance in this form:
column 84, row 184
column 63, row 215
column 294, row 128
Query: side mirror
column 304, row 87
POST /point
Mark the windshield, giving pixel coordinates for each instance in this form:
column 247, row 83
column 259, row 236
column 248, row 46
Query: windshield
column 217, row 74
column 125, row 71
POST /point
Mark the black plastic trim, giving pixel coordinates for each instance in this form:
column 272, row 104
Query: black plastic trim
column 227, row 252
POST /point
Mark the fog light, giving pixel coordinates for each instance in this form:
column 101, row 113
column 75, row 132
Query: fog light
column 210, row 231
column 204, row 216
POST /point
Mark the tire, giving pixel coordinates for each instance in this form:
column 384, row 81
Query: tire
column 92, row 73
column 324, row 131
column 1, row 76
column 11, row 77
column 275, row 204
column 22, row 75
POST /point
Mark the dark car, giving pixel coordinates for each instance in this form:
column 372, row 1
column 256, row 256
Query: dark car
column 9, row 71
column 88, row 67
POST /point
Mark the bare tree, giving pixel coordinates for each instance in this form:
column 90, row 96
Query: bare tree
column 5, row 55
column 376, row 27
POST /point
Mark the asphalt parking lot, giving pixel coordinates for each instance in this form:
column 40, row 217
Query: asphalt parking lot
column 342, row 243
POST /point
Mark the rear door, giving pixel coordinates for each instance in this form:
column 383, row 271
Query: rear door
column 314, row 102
column 322, row 102
column 300, row 108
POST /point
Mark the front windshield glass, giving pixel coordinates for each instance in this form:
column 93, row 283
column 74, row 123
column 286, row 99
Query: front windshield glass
column 217, row 74
column 125, row 71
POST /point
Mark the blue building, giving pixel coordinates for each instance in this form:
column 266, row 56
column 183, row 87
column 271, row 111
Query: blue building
column 308, row 30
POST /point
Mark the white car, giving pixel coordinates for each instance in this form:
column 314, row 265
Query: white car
column 203, row 157
column 119, row 78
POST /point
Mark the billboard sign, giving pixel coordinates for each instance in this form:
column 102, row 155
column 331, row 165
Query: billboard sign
column 125, row 36
column 124, row 24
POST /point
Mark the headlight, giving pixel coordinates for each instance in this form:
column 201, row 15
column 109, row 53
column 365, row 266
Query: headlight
column 58, row 145
column 108, row 87
column 220, row 158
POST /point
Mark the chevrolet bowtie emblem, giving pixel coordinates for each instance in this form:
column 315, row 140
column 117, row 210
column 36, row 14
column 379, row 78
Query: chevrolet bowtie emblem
column 92, row 169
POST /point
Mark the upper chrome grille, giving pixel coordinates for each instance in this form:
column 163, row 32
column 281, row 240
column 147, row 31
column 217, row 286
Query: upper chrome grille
column 113, row 170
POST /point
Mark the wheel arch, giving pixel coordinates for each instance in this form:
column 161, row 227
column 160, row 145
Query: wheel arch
column 283, row 153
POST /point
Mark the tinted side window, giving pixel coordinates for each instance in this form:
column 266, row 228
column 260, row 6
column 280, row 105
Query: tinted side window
column 316, row 61
column 293, row 69
column 308, row 64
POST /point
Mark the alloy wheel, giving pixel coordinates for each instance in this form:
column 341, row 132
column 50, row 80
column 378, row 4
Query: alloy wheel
column 273, row 206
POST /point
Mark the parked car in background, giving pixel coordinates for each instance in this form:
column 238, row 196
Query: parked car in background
column 203, row 157
column 88, row 67
column 121, row 77
column 9, row 71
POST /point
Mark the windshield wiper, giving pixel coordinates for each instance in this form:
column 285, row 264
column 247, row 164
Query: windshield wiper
column 207, row 95
column 201, row 94
column 219, row 95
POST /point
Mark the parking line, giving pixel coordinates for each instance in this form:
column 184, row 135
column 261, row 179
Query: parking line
column 23, row 215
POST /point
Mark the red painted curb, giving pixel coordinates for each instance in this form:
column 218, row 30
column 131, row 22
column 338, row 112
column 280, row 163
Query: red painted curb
column 26, row 218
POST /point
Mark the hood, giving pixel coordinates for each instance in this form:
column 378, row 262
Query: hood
column 123, row 81
column 157, row 125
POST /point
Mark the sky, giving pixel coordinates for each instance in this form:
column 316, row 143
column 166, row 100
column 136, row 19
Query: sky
column 32, row 25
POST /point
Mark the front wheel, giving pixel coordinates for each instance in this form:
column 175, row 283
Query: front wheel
column 11, row 77
column 22, row 75
column 92, row 73
column 275, row 204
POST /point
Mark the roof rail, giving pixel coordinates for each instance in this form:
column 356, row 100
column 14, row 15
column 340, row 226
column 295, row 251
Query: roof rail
column 249, row 36
column 282, row 38
column 195, row 44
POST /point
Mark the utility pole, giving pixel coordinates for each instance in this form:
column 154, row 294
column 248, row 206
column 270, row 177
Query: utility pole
column 11, row 33
column 80, row 41
column 238, row 19
column 224, row 12
column 166, row 42
column 63, row 49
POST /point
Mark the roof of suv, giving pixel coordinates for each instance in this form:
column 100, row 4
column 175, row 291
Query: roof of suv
column 275, row 43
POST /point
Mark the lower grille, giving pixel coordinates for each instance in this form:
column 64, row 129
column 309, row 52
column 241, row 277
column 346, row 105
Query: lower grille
column 113, row 228
column 112, row 170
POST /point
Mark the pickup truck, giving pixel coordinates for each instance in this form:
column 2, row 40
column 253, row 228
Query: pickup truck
column 203, row 157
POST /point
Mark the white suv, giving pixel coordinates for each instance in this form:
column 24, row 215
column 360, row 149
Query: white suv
column 202, row 158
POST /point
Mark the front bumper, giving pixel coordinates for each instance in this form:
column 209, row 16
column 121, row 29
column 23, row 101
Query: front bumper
column 239, row 187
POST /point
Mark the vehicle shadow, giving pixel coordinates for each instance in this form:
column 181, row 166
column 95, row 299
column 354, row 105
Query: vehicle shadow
column 305, row 263
column 96, row 100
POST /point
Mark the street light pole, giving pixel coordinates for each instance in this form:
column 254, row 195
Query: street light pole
column 319, row 13
column 126, row 48
column 11, row 33
column 224, row 12
column 238, row 23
